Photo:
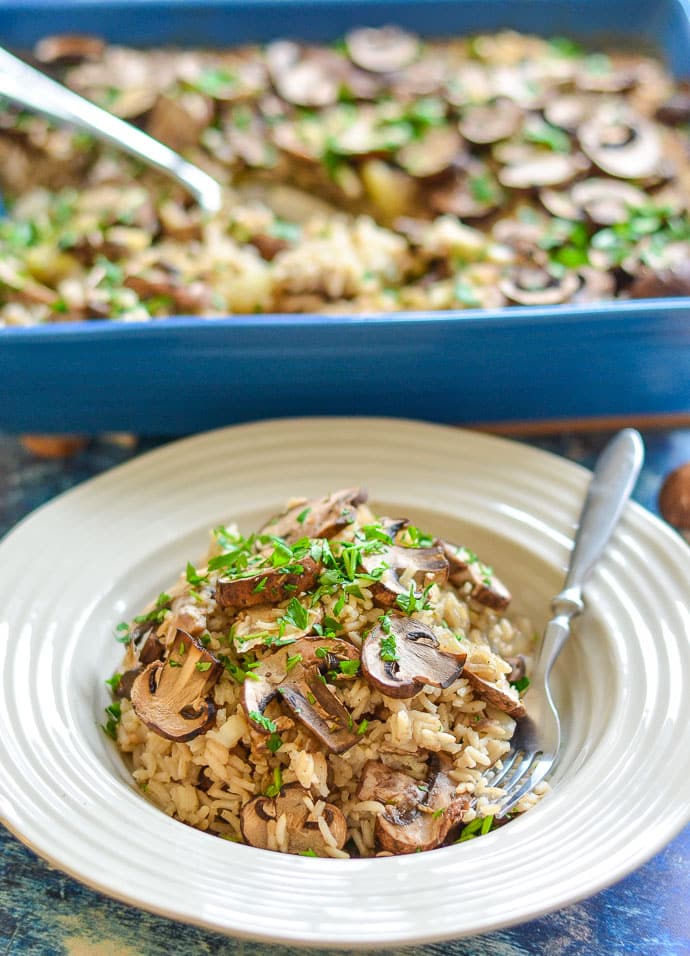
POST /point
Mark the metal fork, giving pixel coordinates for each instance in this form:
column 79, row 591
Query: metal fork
column 537, row 737
column 29, row 88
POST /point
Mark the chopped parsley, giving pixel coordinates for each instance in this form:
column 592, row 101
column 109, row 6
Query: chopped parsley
column 411, row 602
column 296, row 659
column 521, row 684
column 274, row 743
column 308, row 852
column 296, row 615
column 339, row 605
column 478, row 827
column 417, row 538
column 362, row 727
column 388, row 650
column 122, row 633
column 263, row 721
column 302, row 516
column 114, row 682
column 193, row 577
column 274, row 789
column 114, row 713
column 158, row 613
column 349, row 668
column 438, row 813
column 203, row 666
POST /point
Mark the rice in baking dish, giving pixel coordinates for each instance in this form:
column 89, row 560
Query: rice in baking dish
column 336, row 684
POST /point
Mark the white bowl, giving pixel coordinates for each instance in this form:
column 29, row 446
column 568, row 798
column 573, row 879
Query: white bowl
column 94, row 556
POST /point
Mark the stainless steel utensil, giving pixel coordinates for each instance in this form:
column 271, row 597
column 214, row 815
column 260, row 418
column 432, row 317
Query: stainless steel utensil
column 33, row 90
column 535, row 744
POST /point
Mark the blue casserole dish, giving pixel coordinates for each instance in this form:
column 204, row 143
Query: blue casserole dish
column 183, row 374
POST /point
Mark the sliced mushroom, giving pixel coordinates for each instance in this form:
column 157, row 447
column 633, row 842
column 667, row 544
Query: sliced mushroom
column 596, row 285
column 390, row 787
column 303, row 76
column 422, row 566
column 179, row 120
column 319, row 518
column 675, row 111
column 604, row 78
column 418, row 659
column 427, row 825
column 188, row 614
column 172, row 696
column 67, row 48
column 506, row 700
column 542, row 169
column 471, row 193
column 559, row 203
column 487, row 589
column 519, row 667
column 665, row 283
column 621, row 144
column 269, row 585
column 569, row 110
column 124, row 688
column 383, row 49
column 485, row 123
column 432, row 155
column 299, row 684
column 674, row 499
column 534, row 286
column 303, row 832
column 606, row 202
column 153, row 649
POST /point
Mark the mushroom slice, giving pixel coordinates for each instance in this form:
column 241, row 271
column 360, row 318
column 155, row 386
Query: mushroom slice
column 542, row 169
column 470, row 194
column 675, row 111
column 382, row 49
column 606, row 202
column 559, row 203
column 510, row 703
column 487, row 123
column 301, row 687
column 428, row 825
column 596, row 285
column 303, row 76
column 568, row 111
column 465, row 566
column 400, row 656
column 533, row 286
column 172, row 696
column 620, row 143
column 124, row 687
column 423, row 566
column 390, row 787
column 303, row 831
column 650, row 284
column 67, row 48
column 269, row 585
column 319, row 518
column 432, row 155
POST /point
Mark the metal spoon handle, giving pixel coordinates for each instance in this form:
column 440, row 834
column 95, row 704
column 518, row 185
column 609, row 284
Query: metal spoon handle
column 32, row 89
column 614, row 478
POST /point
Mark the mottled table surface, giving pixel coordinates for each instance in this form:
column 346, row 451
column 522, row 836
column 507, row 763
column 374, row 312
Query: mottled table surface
column 43, row 912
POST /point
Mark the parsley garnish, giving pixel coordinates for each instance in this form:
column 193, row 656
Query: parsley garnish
column 296, row 614
column 113, row 713
column 308, row 852
column 438, row 813
column 411, row 602
column 193, row 577
column 122, row 633
column 274, row 743
column 114, row 682
column 478, row 827
column 203, row 666
column 339, row 605
column 294, row 660
column 389, row 649
column 158, row 613
column 274, row 789
column 263, row 721
column 349, row 668
column 417, row 538
column 302, row 516
column 361, row 729
column 521, row 684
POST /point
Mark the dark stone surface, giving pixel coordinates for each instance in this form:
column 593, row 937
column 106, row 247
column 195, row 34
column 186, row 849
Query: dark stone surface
column 45, row 913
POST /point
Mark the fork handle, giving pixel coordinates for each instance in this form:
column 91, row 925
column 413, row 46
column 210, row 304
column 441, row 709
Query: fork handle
column 614, row 478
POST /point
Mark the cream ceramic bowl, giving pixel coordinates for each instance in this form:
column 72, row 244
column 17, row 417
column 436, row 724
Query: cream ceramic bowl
column 95, row 555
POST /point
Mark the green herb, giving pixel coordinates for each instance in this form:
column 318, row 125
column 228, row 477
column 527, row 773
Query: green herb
column 411, row 602
column 262, row 721
column 550, row 136
column 339, row 605
column 260, row 586
column 311, row 699
column 438, row 813
column 302, row 516
column 274, row 789
column 274, row 743
column 363, row 724
column 597, row 63
column 483, row 188
column 563, row 46
column 214, row 81
column 388, row 650
column 321, row 652
column 331, row 626
column 114, row 713
column 478, row 827
column 174, row 663
column 521, row 684
column 203, row 666
column 293, row 661
column 349, row 668
column 296, row 614
column 122, row 633
column 193, row 577
column 158, row 613
column 417, row 538
column 308, row 852
column 114, row 682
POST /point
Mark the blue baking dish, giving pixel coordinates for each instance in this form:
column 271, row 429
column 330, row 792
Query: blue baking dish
column 183, row 374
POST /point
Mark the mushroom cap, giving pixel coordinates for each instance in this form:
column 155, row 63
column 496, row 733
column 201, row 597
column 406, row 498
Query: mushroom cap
column 674, row 498
column 664, row 283
column 420, row 660
column 382, row 49
column 68, row 48
column 621, row 143
column 268, row 586
column 493, row 695
column 170, row 696
column 426, row 826
column 432, row 155
column 303, row 831
column 487, row 589
column 428, row 565
column 302, row 690
column 485, row 123
column 534, row 286
column 606, row 202
column 542, row 169
column 324, row 517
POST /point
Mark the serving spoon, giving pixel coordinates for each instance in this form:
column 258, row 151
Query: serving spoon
column 31, row 89
column 537, row 738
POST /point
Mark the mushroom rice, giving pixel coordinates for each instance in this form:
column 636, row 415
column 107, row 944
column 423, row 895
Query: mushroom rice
column 337, row 684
